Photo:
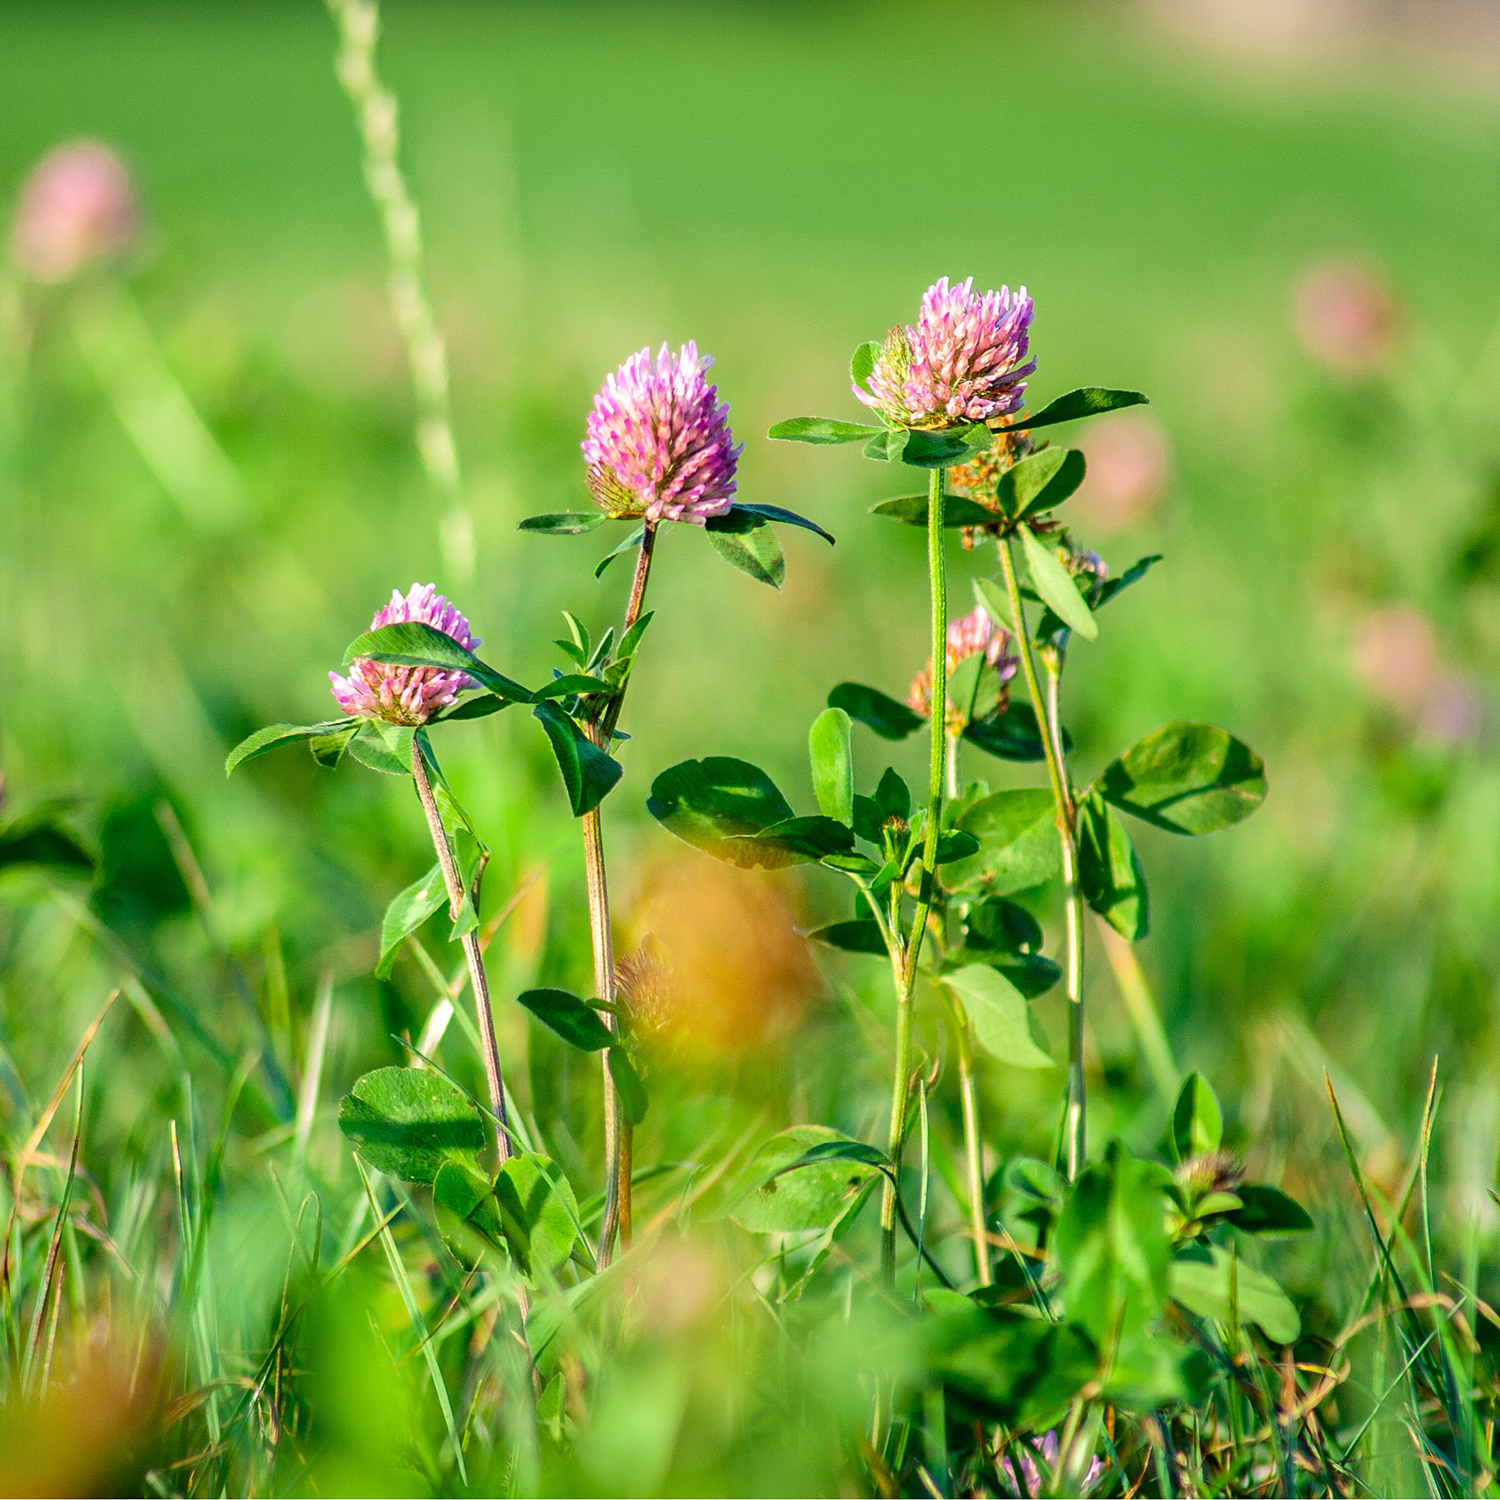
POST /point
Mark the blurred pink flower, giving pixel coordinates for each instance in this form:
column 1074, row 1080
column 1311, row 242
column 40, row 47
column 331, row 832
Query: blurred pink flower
column 406, row 695
column 1127, row 470
column 962, row 363
column 974, row 633
column 1045, row 1446
column 77, row 206
column 1347, row 318
column 658, row 443
column 1395, row 654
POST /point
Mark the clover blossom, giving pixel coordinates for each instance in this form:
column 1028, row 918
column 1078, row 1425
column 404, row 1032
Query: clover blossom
column 406, row 695
column 77, row 206
column 973, row 634
column 964, row 362
column 1046, row 1447
column 658, row 444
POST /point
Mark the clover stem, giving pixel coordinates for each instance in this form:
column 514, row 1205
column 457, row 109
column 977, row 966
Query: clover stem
column 470, row 943
column 619, row 1135
column 907, row 977
column 490, row 1051
column 953, row 748
column 1049, row 727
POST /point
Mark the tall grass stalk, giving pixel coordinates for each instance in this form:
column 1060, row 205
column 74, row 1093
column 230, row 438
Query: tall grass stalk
column 1075, row 1122
column 376, row 114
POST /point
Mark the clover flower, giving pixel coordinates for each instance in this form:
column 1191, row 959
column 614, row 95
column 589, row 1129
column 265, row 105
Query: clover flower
column 406, row 695
column 1047, row 1447
column 964, row 362
column 77, row 206
column 659, row 445
column 973, row 634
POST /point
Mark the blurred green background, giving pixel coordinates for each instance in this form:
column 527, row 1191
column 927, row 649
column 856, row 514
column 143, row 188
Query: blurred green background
column 780, row 182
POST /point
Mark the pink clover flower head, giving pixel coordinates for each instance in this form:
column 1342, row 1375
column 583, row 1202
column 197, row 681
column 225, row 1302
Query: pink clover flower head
column 658, row 444
column 964, row 362
column 77, row 206
column 973, row 634
column 406, row 695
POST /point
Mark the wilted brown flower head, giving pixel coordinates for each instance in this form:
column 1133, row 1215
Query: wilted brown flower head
column 1347, row 317
column 647, row 983
column 1212, row 1172
column 77, row 206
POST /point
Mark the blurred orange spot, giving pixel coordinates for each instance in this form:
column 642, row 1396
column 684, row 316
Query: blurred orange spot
column 93, row 1431
column 739, row 971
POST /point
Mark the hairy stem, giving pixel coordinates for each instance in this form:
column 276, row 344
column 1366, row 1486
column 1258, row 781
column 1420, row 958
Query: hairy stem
column 1075, row 1124
column 619, row 1144
column 473, row 954
column 470, row 942
column 907, row 977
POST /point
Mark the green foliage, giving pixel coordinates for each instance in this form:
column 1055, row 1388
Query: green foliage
column 1018, row 843
column 1087, row 401
column 1216, row 1284
column 911, row 510
column 406, row 913
column 1002, row 1020
column 859, row 936
column 274, row 736
column 41, row 838
column 588, row 774
column 1039, row 482
column 876, row 710
column 1055, row 585
column 633, row 1098
column 821, row 430
column 784, row 1193
column 409, row 1122
column 733, row 810
column 1186, row 778
column 748, row 542
column 1109, row 873
column 538, row 1214
column 575, row 1021
column 831, row 752
column 1113, row 1248
column 941, row 450
column 1011, row 735
column 1197, row 1122
column 564, row 523
column 412, row 643
column 783, row 516
column 383, row 747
